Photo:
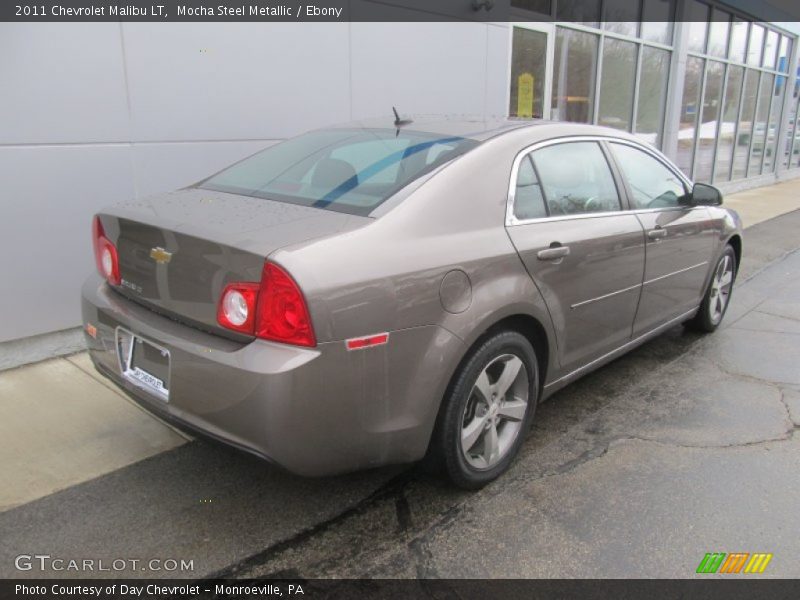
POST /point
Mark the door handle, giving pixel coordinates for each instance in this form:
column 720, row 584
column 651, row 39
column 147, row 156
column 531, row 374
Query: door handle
column 657, row 233
column 554, row 252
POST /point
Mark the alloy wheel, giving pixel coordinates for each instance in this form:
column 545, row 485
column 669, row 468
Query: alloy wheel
column 494, row 411
column 721, row 284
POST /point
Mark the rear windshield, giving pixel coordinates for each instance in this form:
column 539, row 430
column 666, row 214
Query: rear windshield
column 346, row 170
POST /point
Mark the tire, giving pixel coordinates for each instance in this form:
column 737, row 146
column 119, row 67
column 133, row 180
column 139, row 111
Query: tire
column 718, row 294
column 493, row 428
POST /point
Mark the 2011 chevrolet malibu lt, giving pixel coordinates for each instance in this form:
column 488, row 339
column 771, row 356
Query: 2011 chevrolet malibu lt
column 386, row 291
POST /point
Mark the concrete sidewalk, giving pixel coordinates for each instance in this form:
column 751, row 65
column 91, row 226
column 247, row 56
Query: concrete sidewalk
column 761, row 204
column 62, row 424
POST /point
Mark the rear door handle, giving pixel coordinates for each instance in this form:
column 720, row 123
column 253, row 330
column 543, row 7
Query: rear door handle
column 554, row 252
column 657, row 233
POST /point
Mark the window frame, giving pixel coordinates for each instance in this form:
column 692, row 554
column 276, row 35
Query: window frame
column 538, row 182
column 619, row 179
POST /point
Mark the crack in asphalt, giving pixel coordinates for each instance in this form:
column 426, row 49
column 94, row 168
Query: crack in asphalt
column 403, row 511
column 390, row 489
column 772, row 314
column 766, row 331
column 778, row 386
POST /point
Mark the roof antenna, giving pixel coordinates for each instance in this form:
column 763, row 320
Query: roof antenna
column 398, row 121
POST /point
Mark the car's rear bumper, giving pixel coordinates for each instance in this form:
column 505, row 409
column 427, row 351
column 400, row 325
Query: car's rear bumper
column 314, row 411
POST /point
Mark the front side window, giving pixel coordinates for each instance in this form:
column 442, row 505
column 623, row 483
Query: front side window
column 576, row 179
column 652, row 184
column 344, row 170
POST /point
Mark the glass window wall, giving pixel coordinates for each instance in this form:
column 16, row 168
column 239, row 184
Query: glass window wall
column 735, row 132
column 621, row 16
column 745, row 128
column 652, row 94
column 709, row 121
column 586, row 13
column 657, row 20
column 775, row 106
column 692, row 84
column 739, row 40
column 756, row 45
column 698, row 17
column 574, row 75
column 727, row 127
column 718, row 33
column 613, row 65
column 616, row 88
column 771, row 50
column 760, row 133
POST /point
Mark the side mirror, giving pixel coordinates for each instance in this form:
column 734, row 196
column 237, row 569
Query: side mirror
column 705, row 195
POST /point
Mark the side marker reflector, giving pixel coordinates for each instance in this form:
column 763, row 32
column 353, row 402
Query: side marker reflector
column 366, row 342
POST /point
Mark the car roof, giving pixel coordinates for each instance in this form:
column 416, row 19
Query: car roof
column 473, row 127
column 481, row 128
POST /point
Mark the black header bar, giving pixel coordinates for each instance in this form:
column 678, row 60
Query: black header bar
column 339, row 10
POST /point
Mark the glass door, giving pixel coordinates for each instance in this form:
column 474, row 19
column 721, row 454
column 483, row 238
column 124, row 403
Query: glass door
column 531, row 70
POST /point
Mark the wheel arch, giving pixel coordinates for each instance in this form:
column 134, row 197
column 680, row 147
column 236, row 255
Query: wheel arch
column 735, row 241
column 530, row 327
column 522, row 322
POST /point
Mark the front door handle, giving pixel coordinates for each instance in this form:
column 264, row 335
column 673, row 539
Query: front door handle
column 554, row 252
column 657, row 233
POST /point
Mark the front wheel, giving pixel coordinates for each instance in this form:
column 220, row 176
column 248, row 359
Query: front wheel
column 488, row 409
column 718, row 295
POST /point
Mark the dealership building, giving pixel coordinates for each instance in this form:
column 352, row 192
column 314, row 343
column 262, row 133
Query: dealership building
column 713, row 89
column 96, row 113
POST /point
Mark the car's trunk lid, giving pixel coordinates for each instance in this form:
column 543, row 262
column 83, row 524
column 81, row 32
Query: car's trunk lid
column 177, row 251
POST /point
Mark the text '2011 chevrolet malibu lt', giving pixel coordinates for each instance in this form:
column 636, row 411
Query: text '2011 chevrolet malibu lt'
column 381, row 292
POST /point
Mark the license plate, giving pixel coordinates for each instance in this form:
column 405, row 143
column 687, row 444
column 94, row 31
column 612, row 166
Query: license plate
column 144, row 363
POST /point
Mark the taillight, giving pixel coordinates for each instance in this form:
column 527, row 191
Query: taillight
column 105, row 254
column 274, row 309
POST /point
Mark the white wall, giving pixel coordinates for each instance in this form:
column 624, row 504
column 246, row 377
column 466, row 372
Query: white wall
column 92, row 114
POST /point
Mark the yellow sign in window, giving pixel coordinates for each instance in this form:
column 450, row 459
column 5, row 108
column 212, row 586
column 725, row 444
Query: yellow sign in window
column 525, row 95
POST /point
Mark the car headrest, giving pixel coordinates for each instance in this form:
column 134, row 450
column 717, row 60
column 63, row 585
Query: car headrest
column 330, row 173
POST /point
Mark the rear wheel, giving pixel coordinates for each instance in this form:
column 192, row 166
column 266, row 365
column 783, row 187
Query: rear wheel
column 488, row 410
column 718, row 295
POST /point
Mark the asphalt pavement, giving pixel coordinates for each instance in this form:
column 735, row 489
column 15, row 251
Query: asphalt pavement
column 684, row 446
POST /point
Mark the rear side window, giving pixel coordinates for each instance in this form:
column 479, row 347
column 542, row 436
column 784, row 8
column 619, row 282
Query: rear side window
column 576, row 179
column 346, row 170
column 528, row 198
column 652, row 183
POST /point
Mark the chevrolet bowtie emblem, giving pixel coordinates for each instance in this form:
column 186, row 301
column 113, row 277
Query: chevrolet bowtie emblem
column 160, row 255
